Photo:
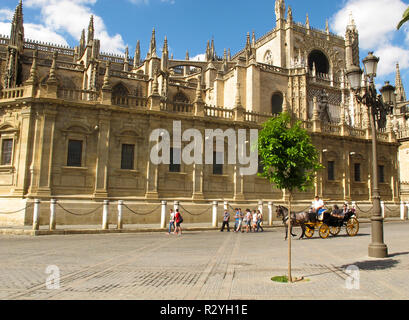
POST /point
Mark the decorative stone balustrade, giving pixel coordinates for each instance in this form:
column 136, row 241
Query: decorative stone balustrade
column 77, row 95
column 217, row 112
column 14, row 93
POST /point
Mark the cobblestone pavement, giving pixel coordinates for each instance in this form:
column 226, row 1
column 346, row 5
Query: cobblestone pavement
column 202, row 265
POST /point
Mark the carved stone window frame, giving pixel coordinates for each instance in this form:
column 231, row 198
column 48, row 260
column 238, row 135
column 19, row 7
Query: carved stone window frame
column 80, row 132
column 132, row 137
column 8, row 131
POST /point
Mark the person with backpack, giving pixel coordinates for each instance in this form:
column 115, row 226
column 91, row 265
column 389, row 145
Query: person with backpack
column 178, row 220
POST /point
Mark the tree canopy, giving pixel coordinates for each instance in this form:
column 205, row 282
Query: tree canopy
column 289, row 159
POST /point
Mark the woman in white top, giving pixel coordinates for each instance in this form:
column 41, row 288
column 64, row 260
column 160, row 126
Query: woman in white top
column 254, row 220
column 248, row 220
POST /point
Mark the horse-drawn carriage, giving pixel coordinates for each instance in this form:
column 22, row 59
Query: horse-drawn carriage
column 332, row 224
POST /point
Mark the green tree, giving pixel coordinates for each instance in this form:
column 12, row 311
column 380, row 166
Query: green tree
column 290, row 160
column 405, row 18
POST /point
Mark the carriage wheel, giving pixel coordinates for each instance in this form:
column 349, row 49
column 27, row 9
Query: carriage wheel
column 352, row 227
column 309, row 231
column 334, row 230
column 324, row 231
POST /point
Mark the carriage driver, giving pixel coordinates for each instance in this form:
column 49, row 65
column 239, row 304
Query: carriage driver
column 318, row 207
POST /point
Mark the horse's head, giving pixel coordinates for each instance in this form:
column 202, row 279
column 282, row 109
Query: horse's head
column 281, row 212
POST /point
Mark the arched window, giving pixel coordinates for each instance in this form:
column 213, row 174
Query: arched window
column 320, row 60
column 277, row 103
column 268, row 57
column 120, row 95
column 181, row 103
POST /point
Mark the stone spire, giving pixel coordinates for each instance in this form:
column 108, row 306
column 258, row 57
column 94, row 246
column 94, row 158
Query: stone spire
column 106, row 85
column 165, row 55
column 126, row 59
column 307, row 22
column 352, row 43
column 400, row 90
column 152, row 47
column 52, row 78
column 280, row 13
column 137, row 58
column 253, row 40
column 228, row 55
column 326, row 27
column 187, row 55
column 289, row 15
column 208, row 51
column 91, row 29
column 82, row 42
column 33, row 70
column 213, row 50
column 198, row 97
column 17, row 28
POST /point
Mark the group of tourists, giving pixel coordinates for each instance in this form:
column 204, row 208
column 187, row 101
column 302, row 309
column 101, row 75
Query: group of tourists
column 244, row 222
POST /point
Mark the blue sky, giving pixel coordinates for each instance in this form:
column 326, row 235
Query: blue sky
column 188, row 24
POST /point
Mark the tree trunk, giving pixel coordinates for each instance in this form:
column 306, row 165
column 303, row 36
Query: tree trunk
column 290, row 279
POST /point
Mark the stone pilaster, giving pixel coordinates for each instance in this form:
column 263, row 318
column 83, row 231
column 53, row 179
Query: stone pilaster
column 103, row 145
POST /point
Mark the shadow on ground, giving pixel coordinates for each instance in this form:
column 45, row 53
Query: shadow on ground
column 373, row 265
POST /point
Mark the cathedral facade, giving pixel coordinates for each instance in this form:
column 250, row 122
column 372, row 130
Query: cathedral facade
column 75, row 122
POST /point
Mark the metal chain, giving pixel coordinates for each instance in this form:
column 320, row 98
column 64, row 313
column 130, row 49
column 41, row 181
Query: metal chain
column 192, row 214
column 12, row 212
column 78, row 214
column 356, row 205
column 141, row 214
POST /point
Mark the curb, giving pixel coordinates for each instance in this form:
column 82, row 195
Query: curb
column 25, row 232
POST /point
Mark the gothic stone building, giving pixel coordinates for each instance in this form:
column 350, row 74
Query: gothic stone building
column 75, row 122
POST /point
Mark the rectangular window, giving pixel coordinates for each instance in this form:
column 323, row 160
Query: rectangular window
column 175, row 154
column 74, row 158
column 127, row 157
column 381, row 174
column 331, row 170
column 6, row 152
column 357, row 172
column 217, row 159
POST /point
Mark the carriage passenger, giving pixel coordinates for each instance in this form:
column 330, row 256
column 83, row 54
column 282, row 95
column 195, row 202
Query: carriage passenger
column 318, row 207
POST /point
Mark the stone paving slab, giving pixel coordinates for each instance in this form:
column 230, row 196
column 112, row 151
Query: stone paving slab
column 202, row 265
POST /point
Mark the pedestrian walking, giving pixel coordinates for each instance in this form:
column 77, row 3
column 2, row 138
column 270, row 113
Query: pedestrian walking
column 248, row 220
column 259, row 221
column 237, row 219
column 254, row 221
column 241, row 217
column 226, row 219
column 178, row 221
column 171, row 221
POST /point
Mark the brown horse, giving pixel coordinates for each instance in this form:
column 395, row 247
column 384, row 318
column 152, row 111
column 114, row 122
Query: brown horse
column 297, row 220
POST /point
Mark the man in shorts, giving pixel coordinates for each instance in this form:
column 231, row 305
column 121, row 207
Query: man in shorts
column 178, row 221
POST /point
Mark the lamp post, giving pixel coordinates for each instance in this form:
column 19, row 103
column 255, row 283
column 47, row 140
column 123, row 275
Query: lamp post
column 380, row 105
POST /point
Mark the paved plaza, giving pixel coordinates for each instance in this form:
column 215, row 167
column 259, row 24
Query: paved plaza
column 202, row 265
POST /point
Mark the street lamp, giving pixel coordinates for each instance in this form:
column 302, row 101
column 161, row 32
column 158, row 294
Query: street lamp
column 380, row 106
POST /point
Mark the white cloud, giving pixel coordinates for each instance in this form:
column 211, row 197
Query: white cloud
column 71, row 16
column 6, row 14
column 199, row 57
column 376, row 21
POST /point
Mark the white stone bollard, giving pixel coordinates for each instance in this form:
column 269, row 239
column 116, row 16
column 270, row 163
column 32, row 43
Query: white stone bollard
column 53, row 220
column 120, row 224
column 270, row 213
column 226, row 205
column 407, row 209
column 163, row 215
column 105, row 213
column 402, row 210
column 260, row 206
column 383, row 209
column 215, row 204
column 176, row 206
column 36, row 215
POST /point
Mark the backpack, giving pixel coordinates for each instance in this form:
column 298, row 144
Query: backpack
column 180, row 218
